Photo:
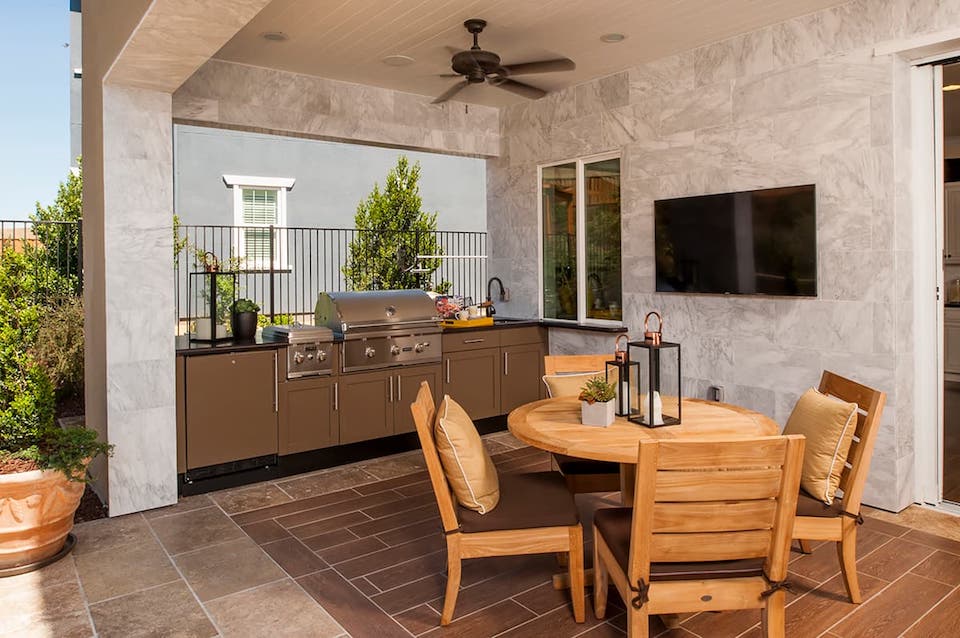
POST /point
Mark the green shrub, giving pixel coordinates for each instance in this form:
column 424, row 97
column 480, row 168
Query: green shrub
column 278, row 320
column 245, row 305
column 27, row 426
column 59, row 347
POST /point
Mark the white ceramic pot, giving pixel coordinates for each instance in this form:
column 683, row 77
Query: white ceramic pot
column 601, row 414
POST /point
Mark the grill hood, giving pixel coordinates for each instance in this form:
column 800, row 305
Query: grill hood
column 344, row 312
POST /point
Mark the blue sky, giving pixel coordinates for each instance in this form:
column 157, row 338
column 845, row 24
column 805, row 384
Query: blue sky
column 34, row 103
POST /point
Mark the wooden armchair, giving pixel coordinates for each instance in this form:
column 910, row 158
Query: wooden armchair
column 710, row 530
column 582, row 475
column 536, row 515
column 838, row 522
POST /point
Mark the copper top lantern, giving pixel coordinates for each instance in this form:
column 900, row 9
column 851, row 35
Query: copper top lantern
column 658, row 370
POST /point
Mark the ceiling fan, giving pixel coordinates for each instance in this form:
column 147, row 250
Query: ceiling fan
column 477, row 66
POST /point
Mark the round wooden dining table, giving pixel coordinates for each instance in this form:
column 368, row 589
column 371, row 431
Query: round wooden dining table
column 554, row 425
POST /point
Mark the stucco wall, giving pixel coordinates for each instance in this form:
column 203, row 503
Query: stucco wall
column 236, row 95
column 332, row 178
column 804, row 101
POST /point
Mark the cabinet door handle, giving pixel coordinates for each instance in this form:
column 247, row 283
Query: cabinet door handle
column 336, row 396
column 399, row 393
column 448, row 370
column 506, row 364
column 276, row 384
column 391, row 389
column 474, row 340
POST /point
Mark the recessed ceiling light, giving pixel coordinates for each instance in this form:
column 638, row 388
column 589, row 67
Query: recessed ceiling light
column 398, row 60
column 612, row 38
column 275, row 36
column 952, row 87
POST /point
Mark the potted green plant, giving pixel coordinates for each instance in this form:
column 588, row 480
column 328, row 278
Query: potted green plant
column 42, row 466
column 596, row 402
column 244, row 319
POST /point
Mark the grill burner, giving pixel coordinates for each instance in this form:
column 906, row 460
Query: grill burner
column 309, row 352
column 382, row 328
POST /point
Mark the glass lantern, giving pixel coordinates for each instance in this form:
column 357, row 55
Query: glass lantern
column 656, row 385
column 210, row 298
column 619, row 372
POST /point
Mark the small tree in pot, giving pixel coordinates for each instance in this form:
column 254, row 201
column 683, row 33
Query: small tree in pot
column 244, row 319
column 42, row 466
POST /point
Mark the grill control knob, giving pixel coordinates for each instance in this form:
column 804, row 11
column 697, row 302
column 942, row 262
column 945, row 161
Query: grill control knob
column 298, row 357
column 322, row 355
column 395, row 350
column 420, row 346
column 310, row 357
column 370, row 352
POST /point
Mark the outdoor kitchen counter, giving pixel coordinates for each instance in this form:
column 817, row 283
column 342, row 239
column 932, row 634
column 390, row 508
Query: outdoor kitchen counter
column 185, row 347
column 507, row 323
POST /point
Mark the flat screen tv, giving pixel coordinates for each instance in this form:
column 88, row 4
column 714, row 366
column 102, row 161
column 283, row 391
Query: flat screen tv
column 761, row 242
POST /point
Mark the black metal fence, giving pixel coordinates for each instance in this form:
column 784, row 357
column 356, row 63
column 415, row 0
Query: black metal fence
column 283, row 269
column 56, row 247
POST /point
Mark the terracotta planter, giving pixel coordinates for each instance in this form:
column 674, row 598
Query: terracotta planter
column 36, row 514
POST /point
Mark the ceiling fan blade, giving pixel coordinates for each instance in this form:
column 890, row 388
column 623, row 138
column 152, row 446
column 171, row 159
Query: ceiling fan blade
column 541, row 66
column 525, row 90
column 448, row 75
column 449, row 93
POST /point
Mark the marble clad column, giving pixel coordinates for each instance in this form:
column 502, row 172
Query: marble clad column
column 138, row 291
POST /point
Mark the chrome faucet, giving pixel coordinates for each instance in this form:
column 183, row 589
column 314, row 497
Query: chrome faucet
column 500, row 284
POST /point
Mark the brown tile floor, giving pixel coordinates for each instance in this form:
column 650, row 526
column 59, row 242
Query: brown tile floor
column 356, row 551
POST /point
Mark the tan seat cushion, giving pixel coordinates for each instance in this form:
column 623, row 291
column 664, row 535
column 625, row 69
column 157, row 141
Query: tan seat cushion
column 613, row 523
column 568, row 385
column 828, row 425
column 532, row 499
column 466, row 463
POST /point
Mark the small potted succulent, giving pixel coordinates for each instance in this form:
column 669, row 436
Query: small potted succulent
column 244, row 319
column 597, row 405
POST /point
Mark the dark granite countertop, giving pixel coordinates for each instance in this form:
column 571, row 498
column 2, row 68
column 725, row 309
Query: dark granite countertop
column 185, row 347
column 510, row 322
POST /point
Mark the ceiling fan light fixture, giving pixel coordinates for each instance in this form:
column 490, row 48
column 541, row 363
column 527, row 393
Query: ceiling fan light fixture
column 612, row 38
column 398, row 60
column 275, row 36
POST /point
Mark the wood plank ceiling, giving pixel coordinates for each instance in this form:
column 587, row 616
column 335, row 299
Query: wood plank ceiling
column 348, row 39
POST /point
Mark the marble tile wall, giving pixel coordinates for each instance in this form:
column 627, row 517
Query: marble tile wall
column 804, row 101
column 138, row 280
column 229, row 94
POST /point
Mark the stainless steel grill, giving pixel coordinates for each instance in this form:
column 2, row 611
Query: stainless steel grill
column 309, row 349
column 382, row 328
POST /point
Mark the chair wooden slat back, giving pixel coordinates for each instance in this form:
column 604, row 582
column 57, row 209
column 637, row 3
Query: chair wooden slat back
column 871, row 404
column 571, row 363
column 715, row 500
column 424, row 413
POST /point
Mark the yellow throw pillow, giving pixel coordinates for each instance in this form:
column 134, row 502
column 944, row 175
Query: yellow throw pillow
column 828, row 424
column 569, row 385
column 468, row 467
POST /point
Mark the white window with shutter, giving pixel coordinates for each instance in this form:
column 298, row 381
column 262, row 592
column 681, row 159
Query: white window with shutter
column 260, row 203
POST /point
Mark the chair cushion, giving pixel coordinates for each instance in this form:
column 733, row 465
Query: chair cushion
column 571, row 465
column 828, row 425
column 532, row 499
column 809, row 506
column 613, row 523
column 568, row 385
column 466, row 463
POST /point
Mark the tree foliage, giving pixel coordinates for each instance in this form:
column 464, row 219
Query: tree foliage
column 391, row 231
column 62, row 240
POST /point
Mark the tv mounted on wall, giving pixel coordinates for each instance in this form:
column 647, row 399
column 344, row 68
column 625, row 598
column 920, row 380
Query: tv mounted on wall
column 761, row 242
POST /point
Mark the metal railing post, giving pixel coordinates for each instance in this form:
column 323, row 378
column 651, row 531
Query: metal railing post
column 273, row 239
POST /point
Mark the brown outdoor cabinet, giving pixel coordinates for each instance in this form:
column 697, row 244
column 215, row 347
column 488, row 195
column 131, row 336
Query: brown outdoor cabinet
column 521, row 375
column 230, row 407
column 309, row 415
column 406, row 385
column 472, row 379
column 366, row 406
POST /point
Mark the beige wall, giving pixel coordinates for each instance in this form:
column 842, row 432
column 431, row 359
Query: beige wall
column 805, row 101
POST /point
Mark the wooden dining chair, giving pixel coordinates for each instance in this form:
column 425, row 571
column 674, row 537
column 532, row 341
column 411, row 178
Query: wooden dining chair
column 709, row 530
column 536, row 515
column 838, row 522
column 582, row 475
